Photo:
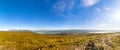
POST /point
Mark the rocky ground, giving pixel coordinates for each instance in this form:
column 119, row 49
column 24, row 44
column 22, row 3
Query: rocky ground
column 103, row 43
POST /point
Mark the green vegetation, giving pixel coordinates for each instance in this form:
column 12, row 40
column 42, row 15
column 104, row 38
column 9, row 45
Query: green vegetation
column 26, row 40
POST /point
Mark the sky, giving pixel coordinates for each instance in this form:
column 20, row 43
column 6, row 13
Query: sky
column 59, row 14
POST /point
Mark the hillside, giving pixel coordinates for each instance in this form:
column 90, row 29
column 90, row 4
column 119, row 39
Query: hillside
column 25, row 40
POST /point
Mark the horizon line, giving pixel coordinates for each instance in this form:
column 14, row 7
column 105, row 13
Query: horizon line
column 53, row 29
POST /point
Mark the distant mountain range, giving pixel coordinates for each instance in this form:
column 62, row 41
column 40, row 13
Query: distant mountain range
column 66, row 31
column 75, row 31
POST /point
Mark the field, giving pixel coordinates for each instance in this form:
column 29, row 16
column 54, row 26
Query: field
column 25, row 40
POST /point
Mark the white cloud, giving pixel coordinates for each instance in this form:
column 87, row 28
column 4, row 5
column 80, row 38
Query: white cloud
column 98, row 9
column 62, row 6
column 71, row 4
column 102, row 25
column 87, row 3
column 59, row 6
column 107, row 8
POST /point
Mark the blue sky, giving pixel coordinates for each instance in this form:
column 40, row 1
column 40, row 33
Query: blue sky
column 59, row 14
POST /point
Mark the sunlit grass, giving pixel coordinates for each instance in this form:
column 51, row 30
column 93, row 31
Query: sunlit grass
column 32, row 41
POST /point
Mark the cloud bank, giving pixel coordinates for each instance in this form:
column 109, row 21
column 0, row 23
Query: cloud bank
column 65, row 6
column 87, row 3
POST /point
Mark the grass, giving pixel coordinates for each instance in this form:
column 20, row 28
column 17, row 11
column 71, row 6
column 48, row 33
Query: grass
column 26, row 40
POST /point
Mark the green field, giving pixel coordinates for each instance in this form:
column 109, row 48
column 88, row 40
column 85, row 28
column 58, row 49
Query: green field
column 26, row 40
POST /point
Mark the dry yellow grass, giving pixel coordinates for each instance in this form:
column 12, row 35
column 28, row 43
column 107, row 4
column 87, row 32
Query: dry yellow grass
column 26, row 40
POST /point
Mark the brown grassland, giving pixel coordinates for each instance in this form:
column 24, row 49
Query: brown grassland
column 26, row 40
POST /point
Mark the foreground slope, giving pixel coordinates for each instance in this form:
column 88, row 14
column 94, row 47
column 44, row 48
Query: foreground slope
column 25, row 40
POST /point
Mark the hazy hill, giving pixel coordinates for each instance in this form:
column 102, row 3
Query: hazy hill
column 74, row 31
